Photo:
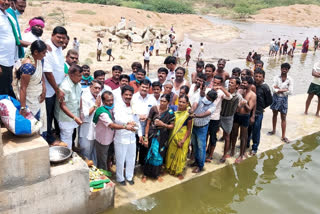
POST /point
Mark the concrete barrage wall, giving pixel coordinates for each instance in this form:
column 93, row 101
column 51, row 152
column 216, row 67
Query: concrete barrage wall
column 28, row 184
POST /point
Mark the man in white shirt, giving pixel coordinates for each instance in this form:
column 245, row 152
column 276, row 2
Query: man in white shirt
column 124, row 140
column 91, row 100
column 124, row 80
column 76, row 44
column 100, row 75
column 54, row 74
column 171, row 63
column 141, row 103
column 194, row 93
column 215, row 116
column 201, row 111
column 99, row 49
column 7, row 50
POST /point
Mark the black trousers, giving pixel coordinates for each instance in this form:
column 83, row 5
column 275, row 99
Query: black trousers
column 6, row 81
column 212, row 131
column 50, row 105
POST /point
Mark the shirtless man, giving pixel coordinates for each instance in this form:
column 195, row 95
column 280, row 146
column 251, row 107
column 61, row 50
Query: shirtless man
column 199, row 69
column 248, row 73
column 220, row 70
column 242, row 117
column 179, row 80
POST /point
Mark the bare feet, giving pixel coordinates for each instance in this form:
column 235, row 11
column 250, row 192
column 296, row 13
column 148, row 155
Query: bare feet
column 305, row 112
column 239, row 159
column 209, row 159
column 160, row 179
column 144, row 179
column 180, row 176
column 223, row 159
column 232, row 153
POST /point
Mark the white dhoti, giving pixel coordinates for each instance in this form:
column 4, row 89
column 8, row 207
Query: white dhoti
column 88, row 149
column 66, row 131
column 125, row 153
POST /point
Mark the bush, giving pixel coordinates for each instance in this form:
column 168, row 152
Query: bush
column 171, row 6
column 162, row 6
column 89, row 12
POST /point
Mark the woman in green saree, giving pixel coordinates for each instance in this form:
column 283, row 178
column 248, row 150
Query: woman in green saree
column 160, row 122
column 179, row 139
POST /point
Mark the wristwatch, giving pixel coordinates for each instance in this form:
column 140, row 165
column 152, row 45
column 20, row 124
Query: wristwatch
column 95, row 106
column 23, row 108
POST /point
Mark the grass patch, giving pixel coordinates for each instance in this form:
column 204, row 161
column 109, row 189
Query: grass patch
column 244, row 8
column 92, row 54
column 88, row 61
column 230, row 8
column 54, row 14
column 163, row 6
column 88, row 12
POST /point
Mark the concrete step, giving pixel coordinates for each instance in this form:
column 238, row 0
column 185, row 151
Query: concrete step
column 24, row 160
column 66, row 191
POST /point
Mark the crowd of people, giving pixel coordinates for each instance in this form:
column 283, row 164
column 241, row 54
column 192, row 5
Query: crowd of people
column 129, row 120
column 278, row 48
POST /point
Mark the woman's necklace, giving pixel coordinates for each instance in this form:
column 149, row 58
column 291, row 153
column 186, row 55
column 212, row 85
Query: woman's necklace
column 160, row 111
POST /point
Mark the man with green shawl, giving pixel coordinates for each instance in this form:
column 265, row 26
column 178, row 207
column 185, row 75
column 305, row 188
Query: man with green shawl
column 8, row 44
column 17, row 8
column 105, row 126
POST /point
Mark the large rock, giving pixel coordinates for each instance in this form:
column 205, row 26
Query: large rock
column 112, row 30
column 122, row 33
column 137, row 31
column 164, row 32
column 131, row 24
column 148, row 36
column 121, row 26
column 157, row 33
column 136, row 39
column 101, row 34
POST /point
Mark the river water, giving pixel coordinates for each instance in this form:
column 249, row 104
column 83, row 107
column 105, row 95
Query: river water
column 283, row 180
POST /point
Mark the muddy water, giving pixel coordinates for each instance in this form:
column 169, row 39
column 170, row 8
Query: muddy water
column 256, row 36
column 301, row 68
column 283, row 180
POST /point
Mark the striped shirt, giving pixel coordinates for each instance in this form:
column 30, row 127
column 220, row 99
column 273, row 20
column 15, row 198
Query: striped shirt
column 229, row 107
column 202, row 107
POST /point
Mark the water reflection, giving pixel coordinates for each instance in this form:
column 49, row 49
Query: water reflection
column 282, row 180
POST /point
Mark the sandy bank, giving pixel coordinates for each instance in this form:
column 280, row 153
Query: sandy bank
column 83, row 19
column 297, row 15
column 298, row 125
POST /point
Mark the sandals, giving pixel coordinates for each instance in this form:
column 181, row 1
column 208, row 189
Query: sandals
column 209, row 159
column 271, row 133
column 286, row 140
